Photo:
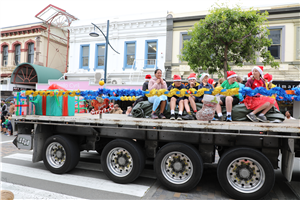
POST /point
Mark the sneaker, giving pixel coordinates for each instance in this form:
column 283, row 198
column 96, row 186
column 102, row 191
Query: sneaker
column 228, row 118
column 179, row 117
column 172, row 117
column 218, row 118
column 188, row 117
column 262, row 118
column 161, row 116
column 154, row 116
column 194, row 115
column 252, row 117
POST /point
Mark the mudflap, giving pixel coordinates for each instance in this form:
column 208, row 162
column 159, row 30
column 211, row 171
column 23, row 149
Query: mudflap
column 288, row 156
column 23, row 141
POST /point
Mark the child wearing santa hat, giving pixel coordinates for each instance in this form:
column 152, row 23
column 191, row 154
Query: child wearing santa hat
column 258, row 102
column 228, row 101
column 191, row 99
column 175, row 100
column 203, row 84
column 144, row 88
column 269, row 85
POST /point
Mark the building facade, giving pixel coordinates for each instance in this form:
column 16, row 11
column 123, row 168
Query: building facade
column 28, row 43
column 284, row 26
column 139, row 39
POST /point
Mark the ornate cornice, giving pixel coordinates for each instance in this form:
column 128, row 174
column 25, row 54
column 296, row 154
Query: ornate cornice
column 23, row 31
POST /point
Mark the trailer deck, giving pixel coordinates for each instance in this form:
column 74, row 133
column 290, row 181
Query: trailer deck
column 292, row 127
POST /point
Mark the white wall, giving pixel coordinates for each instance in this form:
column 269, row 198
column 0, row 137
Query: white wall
column 138, row 30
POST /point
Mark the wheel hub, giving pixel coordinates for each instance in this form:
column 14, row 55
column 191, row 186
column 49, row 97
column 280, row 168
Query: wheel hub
column 56, row 155
column 119, row 162
column 245, row 175
column 177, row 167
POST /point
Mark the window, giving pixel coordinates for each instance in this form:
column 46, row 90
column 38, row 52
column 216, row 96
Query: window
column 17, row 54
column 84, row 56
column 151, row 54
column 30, row 53
column 100, row 58
column 275, row 35
column 185, row 37
column 129, row 54
column 5, row 55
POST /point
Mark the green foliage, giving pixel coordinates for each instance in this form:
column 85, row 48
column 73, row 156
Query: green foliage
column 228, row 35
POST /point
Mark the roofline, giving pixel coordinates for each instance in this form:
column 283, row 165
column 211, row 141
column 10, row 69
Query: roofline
column 22, row 25
column 270, row 11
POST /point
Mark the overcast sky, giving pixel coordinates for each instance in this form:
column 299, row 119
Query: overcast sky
column 17, row 12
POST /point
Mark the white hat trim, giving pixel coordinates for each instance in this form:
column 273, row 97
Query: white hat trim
column 192, row 78
column 176, row 80
column 233, row 75
column 202, row 77
column 258, row 69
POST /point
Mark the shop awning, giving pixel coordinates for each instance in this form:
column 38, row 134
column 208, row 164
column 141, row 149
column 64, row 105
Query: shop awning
column 27, row 73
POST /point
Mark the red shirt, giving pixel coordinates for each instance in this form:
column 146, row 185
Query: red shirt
column 257, row 83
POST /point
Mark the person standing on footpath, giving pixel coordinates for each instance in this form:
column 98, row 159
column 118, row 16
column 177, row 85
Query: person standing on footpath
column 11, row 110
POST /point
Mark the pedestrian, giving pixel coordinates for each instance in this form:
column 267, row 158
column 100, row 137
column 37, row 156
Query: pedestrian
column 228, row 101
column 11, row 108
column 116, row 110
column 191, row 99
column 258, row 102
column 128, row 111
column 158, row 101
column 288, row 115
column 9, row 127
column 4, row 108
column 175, row 100
column 4, row 125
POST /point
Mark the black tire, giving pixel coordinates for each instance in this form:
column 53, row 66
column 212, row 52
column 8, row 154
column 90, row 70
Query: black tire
column 68, row 151
column 122, row 160
column 182, row 159
column 245, row 173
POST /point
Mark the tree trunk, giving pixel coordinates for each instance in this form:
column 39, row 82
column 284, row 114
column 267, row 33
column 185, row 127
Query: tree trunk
column 225, row 62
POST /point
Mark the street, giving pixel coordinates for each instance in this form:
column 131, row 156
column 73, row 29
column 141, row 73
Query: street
column 29, row 180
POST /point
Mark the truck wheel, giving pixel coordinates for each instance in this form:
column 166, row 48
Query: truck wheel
column 178, row 166
column 122, row 160
column 245, row 173
column 60, row 154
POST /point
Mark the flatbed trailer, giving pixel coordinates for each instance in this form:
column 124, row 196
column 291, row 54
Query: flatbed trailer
column 248, row 151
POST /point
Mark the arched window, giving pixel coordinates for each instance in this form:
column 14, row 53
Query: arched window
column 30, row 51
column 5, row 55
column 17, row 54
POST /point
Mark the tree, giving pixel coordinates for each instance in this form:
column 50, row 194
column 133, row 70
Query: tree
column 228, row 35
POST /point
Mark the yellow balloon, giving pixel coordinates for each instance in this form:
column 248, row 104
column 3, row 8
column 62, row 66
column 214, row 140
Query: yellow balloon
column 101, row 83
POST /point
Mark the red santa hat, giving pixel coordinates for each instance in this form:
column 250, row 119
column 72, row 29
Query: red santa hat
column 176, row 78
column 192, row 76
column 260, row 69
column 148, row 77
column 210, row 81
column 231, row 74
column 268, row 77
column 203, row 76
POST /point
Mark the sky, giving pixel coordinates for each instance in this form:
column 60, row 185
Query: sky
column 17, row 12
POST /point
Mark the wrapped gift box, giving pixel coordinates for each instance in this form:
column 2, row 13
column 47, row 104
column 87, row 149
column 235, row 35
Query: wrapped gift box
column 80, row 105
column 55, row 105
column 22, row 103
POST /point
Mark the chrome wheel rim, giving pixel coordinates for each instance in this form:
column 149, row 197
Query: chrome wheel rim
column 245, row 175
column 177, row 167
column 119, row 162
column 56, row 155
